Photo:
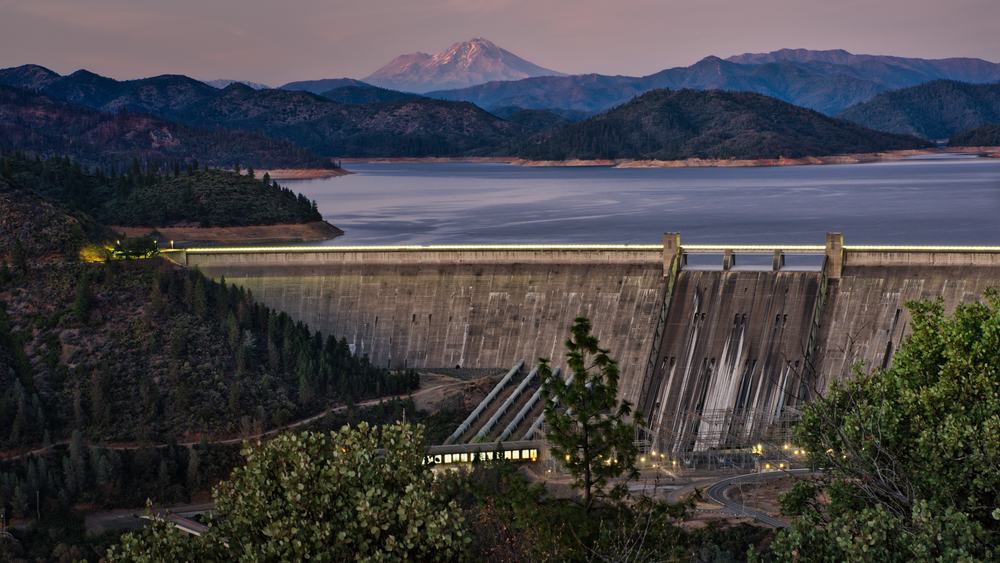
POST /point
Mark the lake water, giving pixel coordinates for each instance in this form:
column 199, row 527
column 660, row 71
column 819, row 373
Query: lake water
column 952, row 200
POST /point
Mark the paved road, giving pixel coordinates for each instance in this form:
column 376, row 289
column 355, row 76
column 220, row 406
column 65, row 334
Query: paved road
column 717, row 493
column 128, row 518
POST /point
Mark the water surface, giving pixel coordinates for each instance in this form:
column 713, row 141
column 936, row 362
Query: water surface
column 950, row 200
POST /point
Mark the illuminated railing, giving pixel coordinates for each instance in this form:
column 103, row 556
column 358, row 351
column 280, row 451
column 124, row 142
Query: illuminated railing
column 918, row 248
column 752, row 248
column 417, row 248
column 686, row 248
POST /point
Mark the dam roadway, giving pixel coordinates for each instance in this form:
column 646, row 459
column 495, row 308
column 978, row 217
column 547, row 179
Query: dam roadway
column 712, row 353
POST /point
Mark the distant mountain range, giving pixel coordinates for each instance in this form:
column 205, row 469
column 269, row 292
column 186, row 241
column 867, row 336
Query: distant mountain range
column 673, row 125
column 935, row 110
column 170, row 116
column 34, row 122
column 463, row 64
column 827, row 81
column 408, row 126
column 223, row 82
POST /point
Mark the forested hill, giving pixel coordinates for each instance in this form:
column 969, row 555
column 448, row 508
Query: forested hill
column 404, row 127
column 670, row 125
column 34, row 122
column 936, row 110
column 986, row 136
column 152, row 197
column 140, row 351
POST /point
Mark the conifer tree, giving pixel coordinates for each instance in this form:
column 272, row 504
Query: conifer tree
column 587, row 427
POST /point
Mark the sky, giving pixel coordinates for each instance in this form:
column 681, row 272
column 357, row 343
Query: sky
column 279, row 41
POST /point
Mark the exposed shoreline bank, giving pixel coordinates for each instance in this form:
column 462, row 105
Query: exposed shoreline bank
column 862, row 158
column 302, row 173
column 180, row 236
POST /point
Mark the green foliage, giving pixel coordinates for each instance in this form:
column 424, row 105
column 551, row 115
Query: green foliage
column 358, row 494
column 82, row 302
column 671, row 125
column 912, row 451
column 34, row 229
column 933, row 110
column 44, row 126
column 197, row 345
column 985, row 136
column 512, row 519
column 162, row 541
column 586, row 427
column 152, row 196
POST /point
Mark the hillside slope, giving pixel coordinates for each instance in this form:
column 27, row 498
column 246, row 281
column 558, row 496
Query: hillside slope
column 935, row 110
column 408, row 127
column 154, row 198
column 985, row 136
column 35, row 122
column 142, row 352
column 669, row 125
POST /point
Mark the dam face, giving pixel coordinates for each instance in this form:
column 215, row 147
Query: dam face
column 468, row 308
column 712, row 358
column 733, row 354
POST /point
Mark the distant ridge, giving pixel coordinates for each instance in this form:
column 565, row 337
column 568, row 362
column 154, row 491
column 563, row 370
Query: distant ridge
column 885, row 67
column 675, row 125
column 935, row 110
column 827, row 81
column 31, row 121
column 321, row 85
column 223, row 82
column 476, row 61
column 394, row 125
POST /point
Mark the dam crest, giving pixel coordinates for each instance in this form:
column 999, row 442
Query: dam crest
column 717, row 344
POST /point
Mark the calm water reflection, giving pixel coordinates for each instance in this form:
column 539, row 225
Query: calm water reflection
column 939, row 200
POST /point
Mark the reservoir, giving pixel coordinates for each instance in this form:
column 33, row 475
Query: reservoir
column 939, row 200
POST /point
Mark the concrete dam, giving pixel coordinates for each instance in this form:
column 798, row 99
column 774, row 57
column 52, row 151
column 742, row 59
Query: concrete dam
column 718, row 344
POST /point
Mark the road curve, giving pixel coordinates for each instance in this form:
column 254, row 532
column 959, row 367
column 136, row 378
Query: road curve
column 717, row 493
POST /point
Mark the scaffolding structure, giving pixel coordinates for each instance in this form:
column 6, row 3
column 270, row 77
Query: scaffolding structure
column 722, row 429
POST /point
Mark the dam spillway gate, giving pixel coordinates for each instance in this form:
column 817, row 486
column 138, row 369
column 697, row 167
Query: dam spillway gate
column 713, row 354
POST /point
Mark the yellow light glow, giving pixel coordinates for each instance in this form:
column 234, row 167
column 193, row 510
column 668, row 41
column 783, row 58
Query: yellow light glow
column 420, row 248
column 690, row 248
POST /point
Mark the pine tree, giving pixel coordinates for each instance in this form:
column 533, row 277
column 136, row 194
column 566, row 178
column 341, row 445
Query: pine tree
column 82, row 303
column 19, row 257
column 194, row 470
column 586, row 426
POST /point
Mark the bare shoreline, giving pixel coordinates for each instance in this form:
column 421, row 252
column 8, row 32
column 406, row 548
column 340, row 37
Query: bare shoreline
column 181, row 236
column 302, row 173
column 986, row 152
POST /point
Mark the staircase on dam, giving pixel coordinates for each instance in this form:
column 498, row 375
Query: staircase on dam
column 714, row 355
